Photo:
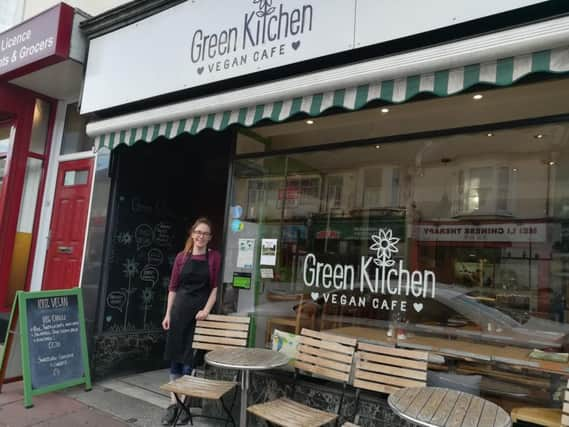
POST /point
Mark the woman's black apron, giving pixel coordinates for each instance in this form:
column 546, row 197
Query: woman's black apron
column 191, row 296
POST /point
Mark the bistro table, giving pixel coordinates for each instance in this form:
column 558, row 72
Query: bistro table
column 245, row 360
column 441, row 407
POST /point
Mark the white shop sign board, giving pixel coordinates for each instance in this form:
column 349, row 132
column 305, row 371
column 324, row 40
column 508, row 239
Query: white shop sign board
column 200, row 42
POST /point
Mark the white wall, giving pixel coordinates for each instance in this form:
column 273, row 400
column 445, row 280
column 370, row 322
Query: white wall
column 92, row 7
column 10, row 13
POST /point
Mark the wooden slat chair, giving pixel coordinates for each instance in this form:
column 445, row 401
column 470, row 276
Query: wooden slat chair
column 548, row 417
column 324, row 355
column 216, row 332
column 388, row 369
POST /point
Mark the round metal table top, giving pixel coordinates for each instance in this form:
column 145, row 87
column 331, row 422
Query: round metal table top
column 246, row 358
column 438, row 407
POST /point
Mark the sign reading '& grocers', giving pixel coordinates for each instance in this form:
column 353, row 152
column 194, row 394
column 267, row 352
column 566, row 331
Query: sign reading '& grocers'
column 33, row 40
column 374, row 279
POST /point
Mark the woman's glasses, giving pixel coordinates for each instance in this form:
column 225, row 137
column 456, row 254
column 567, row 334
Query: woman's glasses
column 199, row 233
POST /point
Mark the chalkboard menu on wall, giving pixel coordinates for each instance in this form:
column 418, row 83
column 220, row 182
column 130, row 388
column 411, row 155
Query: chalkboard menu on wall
column 145, row 241
column 52, row 340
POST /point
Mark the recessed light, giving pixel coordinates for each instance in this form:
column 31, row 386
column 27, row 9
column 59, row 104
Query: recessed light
column 490, row 134
column 378, row 146
column 539, row 136
column 385, row 110
column 478, row 96
column 310, row 122
column 515, row 169
column 552, row 163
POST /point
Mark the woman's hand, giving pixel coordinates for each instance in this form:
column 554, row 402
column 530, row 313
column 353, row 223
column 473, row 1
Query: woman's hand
column 166, row 322
column 202, row 314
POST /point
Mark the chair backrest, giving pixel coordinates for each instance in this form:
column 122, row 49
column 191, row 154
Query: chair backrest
column 565, row 409
column 325, row 354
column 388, row 369
column 220, row 331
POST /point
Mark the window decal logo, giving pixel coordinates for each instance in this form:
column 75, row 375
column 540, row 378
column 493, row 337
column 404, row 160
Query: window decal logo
column 385, row 245
column 381, row 281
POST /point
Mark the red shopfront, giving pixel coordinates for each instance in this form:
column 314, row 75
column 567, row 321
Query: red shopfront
column 26, row 125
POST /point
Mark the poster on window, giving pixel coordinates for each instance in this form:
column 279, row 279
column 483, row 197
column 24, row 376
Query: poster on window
column 245, row 253
column 269, row 252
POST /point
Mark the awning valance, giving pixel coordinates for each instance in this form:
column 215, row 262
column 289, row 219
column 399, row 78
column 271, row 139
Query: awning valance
column 501, row 72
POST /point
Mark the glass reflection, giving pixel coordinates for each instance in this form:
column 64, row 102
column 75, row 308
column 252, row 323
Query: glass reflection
column 457, row 244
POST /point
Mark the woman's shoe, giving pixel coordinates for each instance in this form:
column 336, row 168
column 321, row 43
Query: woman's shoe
column 170, row 415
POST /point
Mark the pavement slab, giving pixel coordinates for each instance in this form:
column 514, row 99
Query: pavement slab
column 51, row 409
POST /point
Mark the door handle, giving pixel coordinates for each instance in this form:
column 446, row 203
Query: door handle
column 65, row 249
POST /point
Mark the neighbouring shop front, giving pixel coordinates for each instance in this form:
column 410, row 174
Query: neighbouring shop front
column 416, row 199
column 40, row 70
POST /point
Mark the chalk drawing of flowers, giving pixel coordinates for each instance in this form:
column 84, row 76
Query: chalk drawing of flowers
column 130, row 268
column 124, row 238
column 265, row 7
column 384, row 243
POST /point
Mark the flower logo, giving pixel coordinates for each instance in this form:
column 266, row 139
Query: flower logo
column 265, row 7
column 384, row 243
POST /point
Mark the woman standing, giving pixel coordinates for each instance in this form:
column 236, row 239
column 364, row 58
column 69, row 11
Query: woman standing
column 191, row 296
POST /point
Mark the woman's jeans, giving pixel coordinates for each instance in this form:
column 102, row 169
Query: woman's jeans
column 179, row 369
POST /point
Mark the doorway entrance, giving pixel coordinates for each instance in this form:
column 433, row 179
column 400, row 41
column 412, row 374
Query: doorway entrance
column 68, row 224
column 158, row 191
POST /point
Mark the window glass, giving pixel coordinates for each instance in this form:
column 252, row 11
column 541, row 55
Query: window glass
column 74, row 137
column 23, row 238
column 459, row 244
column 40, row 124
column 6, row 138
column 75, row 178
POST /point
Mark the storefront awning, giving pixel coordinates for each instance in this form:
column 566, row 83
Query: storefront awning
column 502, row 72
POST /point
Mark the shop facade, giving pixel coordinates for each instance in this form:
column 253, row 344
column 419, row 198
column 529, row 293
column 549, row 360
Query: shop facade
column 40, row 76
column 401, row 185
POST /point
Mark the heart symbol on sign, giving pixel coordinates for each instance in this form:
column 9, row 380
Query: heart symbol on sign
column 200, row 70
column 418, row 306
column 296, row 44
column 314, row 295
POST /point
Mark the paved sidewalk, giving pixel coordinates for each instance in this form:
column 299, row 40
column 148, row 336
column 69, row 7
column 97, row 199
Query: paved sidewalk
column 52, row 409
column 134, row 401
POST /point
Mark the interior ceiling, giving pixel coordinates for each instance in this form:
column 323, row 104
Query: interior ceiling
column 499, row 105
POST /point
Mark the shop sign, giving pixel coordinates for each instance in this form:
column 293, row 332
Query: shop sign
column 373, row 279
column 501, row 232
column 36, row 43
column 289, row 193
column 195, row 43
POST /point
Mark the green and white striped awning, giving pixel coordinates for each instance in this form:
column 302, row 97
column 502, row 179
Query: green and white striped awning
column 502, row 72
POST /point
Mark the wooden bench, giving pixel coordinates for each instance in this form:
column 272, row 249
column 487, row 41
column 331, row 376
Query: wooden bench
column 548, row 417
column 322, row 355
column 215, row 332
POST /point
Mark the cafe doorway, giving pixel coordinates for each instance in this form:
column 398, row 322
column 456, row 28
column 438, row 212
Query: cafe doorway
column 158, row 191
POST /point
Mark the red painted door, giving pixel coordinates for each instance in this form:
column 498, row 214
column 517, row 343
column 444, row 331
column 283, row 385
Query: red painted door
column 68, row 224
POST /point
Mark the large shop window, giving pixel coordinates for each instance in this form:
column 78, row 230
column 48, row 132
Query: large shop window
column 457, row 244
